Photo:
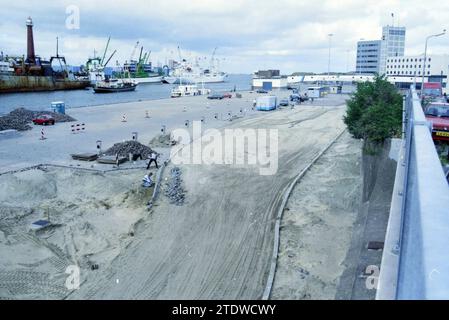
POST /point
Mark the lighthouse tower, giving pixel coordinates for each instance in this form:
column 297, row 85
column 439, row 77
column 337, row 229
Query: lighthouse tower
column 31, row 57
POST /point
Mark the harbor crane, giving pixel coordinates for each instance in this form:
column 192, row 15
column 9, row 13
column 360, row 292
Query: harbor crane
column 179, row 55
column 212, row 58
column 115, row 51
column 134, row 51
column 105, row 50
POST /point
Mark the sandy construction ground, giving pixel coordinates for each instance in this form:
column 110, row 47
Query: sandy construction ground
column 318, row 224
column 92, row 216
column 218, row 245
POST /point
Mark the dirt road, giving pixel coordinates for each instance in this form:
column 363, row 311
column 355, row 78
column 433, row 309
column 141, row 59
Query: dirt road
column 218, row 245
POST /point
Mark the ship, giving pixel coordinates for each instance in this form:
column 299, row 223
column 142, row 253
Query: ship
column 35, row 74
column 190, row 73
column 114, row 85
column 139, row 71
column 95, row 66
column 188, row 90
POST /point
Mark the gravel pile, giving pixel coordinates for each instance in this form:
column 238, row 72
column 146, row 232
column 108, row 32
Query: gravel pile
column 127, row 147
column 20, row 119
column 174, row 190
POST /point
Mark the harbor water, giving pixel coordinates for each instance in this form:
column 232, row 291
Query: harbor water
column 39, row 101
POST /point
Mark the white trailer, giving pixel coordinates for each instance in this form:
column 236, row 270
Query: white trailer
column 315, row 92
column 266, row 103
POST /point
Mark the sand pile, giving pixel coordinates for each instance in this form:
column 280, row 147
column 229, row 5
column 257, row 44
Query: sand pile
column 20, row 119
column 161, row 141
column 92, row 215
column 127, row 147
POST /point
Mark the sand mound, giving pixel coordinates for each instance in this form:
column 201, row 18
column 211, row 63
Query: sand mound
column 28, row 187
column 92, row 216
column 161, row 141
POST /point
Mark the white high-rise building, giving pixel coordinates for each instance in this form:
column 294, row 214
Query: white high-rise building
column 372, row 55
column 392, row 45
column 368, row 57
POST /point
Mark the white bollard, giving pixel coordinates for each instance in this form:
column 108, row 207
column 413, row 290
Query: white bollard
column 43, row 135
column 124, row 118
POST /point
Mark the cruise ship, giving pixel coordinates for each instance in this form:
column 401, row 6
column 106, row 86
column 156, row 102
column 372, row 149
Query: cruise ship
column 187, row 72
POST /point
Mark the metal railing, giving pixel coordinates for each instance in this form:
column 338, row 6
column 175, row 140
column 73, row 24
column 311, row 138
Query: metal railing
column 415, row 261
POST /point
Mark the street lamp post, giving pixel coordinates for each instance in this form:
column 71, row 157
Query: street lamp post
column 329, row 58
column 425, row 57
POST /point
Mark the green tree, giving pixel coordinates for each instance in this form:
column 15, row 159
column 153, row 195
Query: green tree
column 374, row 111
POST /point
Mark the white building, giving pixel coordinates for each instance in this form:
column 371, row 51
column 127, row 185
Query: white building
column 392, row 45
column 270, row 83
column 368, row 56
column 372, row 55
column 436, row 65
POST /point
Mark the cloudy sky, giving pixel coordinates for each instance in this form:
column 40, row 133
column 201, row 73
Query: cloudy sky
column 291, row 35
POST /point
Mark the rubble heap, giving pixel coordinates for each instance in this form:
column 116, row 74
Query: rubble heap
column 20, row 119
column 127, row 147
column 174, row 190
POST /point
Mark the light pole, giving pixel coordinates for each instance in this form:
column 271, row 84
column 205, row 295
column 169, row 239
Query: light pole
column 347, row 60
column 329, row 60
column 425, row 57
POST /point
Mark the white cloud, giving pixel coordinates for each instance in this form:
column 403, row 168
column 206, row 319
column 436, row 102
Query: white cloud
column 252, row 34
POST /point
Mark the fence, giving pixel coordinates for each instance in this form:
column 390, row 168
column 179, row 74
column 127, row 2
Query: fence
column 415, row 261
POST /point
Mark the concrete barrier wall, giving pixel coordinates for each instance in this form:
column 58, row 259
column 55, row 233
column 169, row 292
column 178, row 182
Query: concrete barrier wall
column 415, row 260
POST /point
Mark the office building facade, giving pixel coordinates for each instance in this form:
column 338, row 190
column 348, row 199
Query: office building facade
column 372, row 55
column 393, row 45
column 436, row 66
column 368, row 57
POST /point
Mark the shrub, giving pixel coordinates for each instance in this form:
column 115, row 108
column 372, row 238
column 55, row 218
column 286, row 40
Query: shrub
column 374, row 111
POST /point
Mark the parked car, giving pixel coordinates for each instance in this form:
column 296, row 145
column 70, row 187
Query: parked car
column 44, row 120
column 227, row 95
column 216, row 96
column 283, row 103
column 261, row 91
column 438, row 114
column 297, row 98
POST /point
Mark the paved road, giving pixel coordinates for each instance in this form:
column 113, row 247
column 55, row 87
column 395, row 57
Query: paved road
column 219, row 244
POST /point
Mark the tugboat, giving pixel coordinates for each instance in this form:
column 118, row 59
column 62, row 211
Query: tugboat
column 114, row 85
column 188, row 90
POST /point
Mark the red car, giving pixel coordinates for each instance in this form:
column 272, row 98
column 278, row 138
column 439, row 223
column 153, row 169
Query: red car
column 227, row 95
column 44, row 120
column 438, row 114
